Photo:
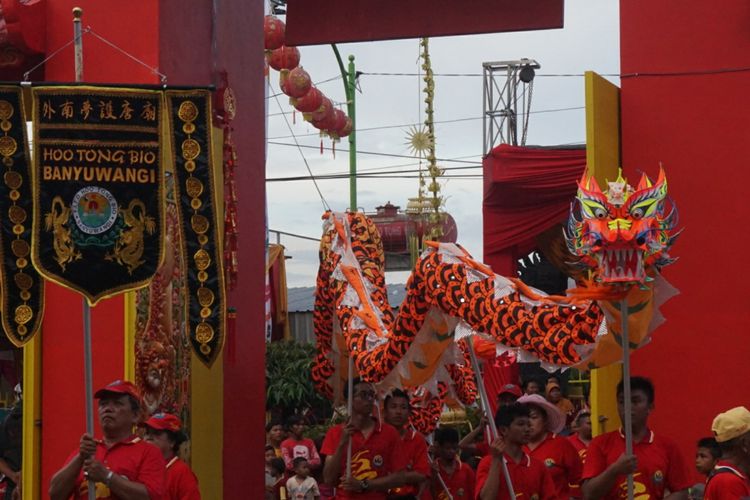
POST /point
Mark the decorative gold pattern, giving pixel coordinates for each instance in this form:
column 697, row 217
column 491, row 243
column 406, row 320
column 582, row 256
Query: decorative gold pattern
column 56, row 220
column 129, row 247
column 17, row 215
column 190, row 148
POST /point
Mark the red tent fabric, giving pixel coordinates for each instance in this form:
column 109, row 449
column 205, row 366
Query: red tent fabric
column 527, row 190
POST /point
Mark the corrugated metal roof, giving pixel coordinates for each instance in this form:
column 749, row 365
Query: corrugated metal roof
column 301, row 299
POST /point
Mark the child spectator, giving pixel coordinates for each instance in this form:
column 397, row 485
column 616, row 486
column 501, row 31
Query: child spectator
column 580, row 441
column 276, row 491
column 301, row 486
column 457, row 476
column 296, row 445
column 707, row 456
column 532, row 386
column 270, row 455
column 275, row 435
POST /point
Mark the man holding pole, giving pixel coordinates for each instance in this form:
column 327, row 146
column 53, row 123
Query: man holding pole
column 529, row 476
column 120, row 465
column 374, row 444
column 656, row 464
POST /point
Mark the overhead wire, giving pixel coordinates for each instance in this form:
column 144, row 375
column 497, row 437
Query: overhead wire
column 302, row 154
column 456, row 120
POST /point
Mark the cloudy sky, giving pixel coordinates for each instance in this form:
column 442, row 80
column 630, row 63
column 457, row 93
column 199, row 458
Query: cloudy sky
column 389, row 104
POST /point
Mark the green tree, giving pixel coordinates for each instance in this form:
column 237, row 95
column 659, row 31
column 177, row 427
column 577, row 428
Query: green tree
column 289, row 387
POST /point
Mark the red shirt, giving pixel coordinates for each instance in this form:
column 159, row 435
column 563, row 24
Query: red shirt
column 726, row 483
column 371, row 457
column 291, row 449
column 460, row 483
column 581, row 447
column 133, row 458
column 660, row 465
column 562, row 462
column 181, row 481
column 412, row 456
column 530, row 479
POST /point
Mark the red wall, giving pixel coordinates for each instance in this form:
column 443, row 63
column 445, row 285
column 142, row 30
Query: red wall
column 186, row 41
column 63, row 414
column 697, row 126
column 179, row 41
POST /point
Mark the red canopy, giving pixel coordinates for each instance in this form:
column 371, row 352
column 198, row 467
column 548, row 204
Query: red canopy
column 527, row 190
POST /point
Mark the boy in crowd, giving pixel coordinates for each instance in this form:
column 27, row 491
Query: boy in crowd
column 411, row 458
column 457, row 476
column 529, row 477
column 707, row 456
column 580, row 441
column 729, row 479
column 657, row 465
column 532, row 386
column 301, row 486
column 274, row 490
column 296, row 445
column 275, row 435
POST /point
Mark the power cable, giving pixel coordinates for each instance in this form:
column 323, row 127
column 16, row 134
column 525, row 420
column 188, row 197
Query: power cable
column 302, row 154
column 315, row 83
column 373, row 153
column 405, row 125
column 344, row 175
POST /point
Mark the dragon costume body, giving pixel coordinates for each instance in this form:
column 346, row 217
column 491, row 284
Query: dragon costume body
column 622, row 235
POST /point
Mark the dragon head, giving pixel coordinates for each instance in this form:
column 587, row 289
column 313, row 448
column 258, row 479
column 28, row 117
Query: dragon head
column 621, row 232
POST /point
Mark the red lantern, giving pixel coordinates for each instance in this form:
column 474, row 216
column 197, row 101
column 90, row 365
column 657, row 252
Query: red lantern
column 273, row 29
column 324, row 112
column 346, row 129
column 337, row 123
column 309, row 102
column 284, row 58
column 295, row 83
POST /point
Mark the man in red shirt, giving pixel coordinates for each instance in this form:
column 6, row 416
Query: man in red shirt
column 374, row 445
column 120, row 465
column 164, row 430
column 296, row 445
column 411, row 458
column 555, row 452
column 457, row 476
column 580, row 441
column 529, row 477
column 729, row 479
column 657, row 465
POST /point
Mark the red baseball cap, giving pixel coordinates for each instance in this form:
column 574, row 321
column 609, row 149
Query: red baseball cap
column 510, row 389
column 119, row 387
column 164, row 422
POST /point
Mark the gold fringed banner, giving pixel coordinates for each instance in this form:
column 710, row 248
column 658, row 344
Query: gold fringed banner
column 98, row 187
column 190, row 127
column 22, row 287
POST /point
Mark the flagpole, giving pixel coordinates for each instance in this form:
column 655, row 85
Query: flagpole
column 485, row 404
column 87, row 364
column 627, row 403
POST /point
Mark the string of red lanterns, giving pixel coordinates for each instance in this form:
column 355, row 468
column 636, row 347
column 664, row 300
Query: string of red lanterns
column 296, row 83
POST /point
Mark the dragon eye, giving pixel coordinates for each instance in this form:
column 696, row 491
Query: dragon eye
column 600, row 213
column 636, row 213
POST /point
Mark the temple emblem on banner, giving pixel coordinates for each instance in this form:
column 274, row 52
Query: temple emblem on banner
column 99, row 187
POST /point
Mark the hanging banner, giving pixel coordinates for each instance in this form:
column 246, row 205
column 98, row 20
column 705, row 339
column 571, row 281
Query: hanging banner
column 190, row 127
column 98, row 187
column 22, row 287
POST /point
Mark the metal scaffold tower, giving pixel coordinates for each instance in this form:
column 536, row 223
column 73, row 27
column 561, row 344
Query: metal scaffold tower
column 508, row 88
